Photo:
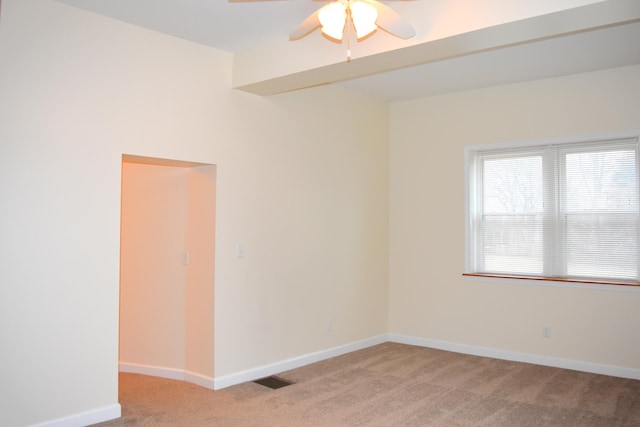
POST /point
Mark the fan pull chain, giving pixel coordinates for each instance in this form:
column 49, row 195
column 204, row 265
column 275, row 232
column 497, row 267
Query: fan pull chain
column 349, row 21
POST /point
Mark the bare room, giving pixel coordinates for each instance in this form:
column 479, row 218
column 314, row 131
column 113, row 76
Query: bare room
column 307, row 203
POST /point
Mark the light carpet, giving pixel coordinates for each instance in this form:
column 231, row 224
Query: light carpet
column 392, row 385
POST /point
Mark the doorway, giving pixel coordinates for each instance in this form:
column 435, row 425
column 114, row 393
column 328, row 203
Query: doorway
column 167, row 254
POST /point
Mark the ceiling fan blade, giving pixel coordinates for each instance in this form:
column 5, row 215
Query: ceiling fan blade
column 307, row 26
column 390, row 21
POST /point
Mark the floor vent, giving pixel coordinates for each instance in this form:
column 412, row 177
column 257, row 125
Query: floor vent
column 273, row 382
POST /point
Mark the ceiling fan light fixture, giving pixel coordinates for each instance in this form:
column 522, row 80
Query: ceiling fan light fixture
column 364, row 18
column 359, row 18
column 333, row 17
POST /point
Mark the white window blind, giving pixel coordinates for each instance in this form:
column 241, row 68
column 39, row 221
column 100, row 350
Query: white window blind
column 568, row 211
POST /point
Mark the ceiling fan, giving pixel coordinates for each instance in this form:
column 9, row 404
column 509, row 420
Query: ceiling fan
column 362, row 16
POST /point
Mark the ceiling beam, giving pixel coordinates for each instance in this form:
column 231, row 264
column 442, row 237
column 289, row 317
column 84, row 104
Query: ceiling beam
column 261, row 72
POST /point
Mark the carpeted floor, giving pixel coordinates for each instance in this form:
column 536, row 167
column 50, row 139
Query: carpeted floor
column 392, row 385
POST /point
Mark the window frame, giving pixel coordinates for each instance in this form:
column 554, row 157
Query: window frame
column 470, row 204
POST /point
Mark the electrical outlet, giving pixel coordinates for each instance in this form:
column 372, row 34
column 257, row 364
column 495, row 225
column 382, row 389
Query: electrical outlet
column 546, row 331
column 329, row 325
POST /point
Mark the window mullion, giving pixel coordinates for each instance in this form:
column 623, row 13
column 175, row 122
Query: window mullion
column 554, row 258
column 478, row 260
column 565, row 211
column 637, row 151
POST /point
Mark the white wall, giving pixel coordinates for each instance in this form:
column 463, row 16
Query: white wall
column 200, row 273
column 166, row 306
column 301, row 182
column 152, row 278
column 429, row 298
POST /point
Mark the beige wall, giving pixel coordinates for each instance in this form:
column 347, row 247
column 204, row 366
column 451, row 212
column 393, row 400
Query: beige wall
column 429, row 298
column 167, row 307
column 200, row 273
column 301, row 182
column 152, row 277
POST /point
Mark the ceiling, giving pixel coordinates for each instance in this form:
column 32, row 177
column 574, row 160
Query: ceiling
column 456, row 47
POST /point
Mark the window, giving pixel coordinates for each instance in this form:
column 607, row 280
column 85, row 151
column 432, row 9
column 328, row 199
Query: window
column 565, row 211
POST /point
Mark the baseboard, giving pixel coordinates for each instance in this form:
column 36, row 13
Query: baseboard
column 82, row 419
column 201, row 380
column 114, row 411
column 576, row 365
column 153, row 371
column 296, row 362
column 169, row 373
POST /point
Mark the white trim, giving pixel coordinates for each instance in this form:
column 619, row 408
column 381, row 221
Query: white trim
column 296, row 362
column 114, row 411
column 576, row 365
column 580, row 138
column 470, row 152
column 153, row 371
column 82, row 419
column 249, row 374
column 198, row 379
column 169, row 373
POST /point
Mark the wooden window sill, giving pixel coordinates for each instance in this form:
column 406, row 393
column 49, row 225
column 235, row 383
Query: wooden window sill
column 553, row 279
